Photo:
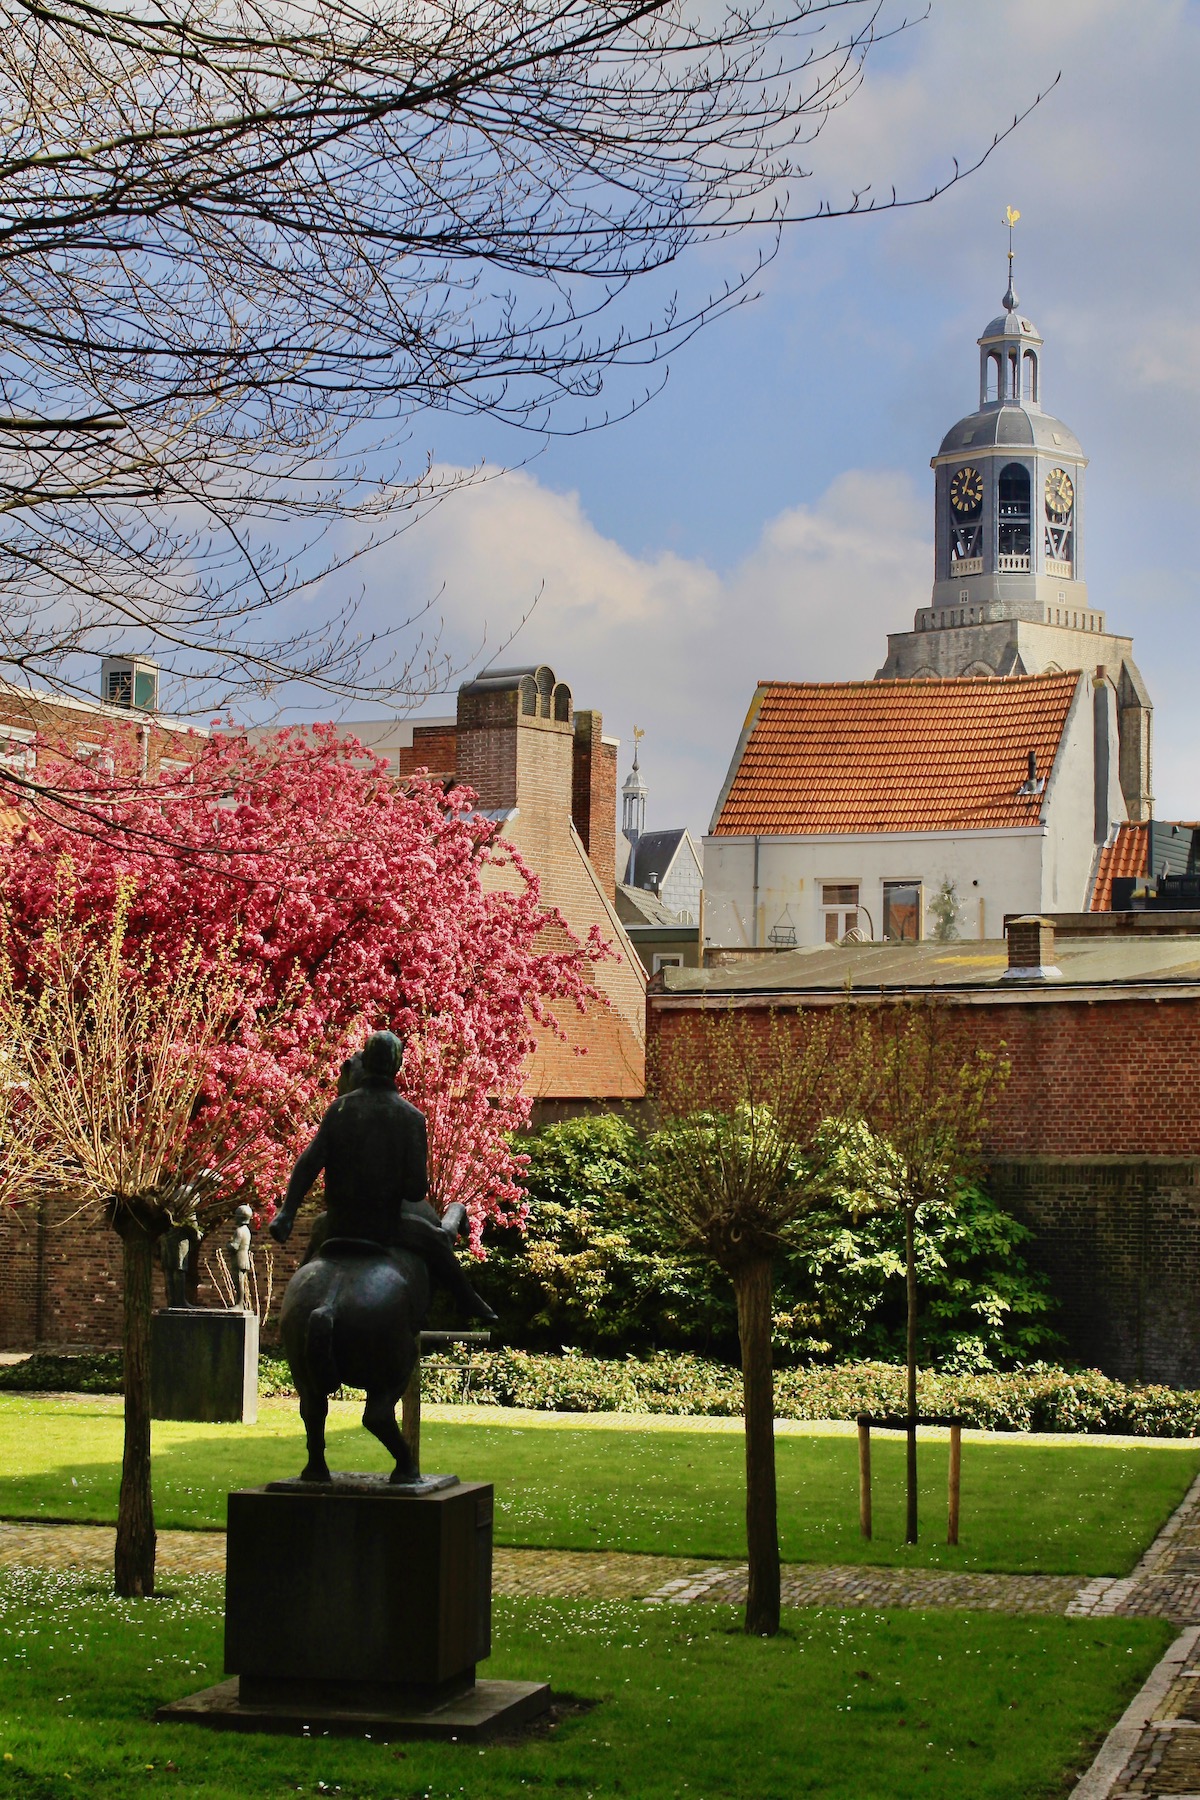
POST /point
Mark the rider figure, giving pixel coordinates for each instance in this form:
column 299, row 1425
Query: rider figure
column 371, row 1145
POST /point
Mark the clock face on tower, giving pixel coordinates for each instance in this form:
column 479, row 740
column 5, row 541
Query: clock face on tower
column 966, row 492
column 1060, row 493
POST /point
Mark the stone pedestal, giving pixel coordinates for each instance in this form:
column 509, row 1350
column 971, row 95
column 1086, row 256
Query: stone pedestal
column 204, row 1366
column 352, row 1606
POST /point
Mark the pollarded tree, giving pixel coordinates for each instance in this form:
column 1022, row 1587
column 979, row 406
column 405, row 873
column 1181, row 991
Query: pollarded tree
column 745, row 1148
column 305, row 899
column 115, row 1060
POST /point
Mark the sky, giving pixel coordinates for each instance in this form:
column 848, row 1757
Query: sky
column 770, row 513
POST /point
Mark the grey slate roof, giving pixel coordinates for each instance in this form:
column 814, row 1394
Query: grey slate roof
column 653, row 855
column 1011, row 427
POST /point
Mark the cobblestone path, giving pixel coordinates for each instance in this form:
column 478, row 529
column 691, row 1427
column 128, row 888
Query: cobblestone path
column 582, row 1574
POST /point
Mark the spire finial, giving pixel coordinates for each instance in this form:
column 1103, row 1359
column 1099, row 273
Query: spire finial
column 638, row 735
column 1011, row 215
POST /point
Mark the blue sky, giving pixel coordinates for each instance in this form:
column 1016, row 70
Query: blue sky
column 770, row 513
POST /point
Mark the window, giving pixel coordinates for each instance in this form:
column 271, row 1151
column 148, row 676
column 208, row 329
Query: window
column 98, row 755
column 171, row 769
column 902, row 912
column 16, row 749
column 665, row 961
column 839, row 905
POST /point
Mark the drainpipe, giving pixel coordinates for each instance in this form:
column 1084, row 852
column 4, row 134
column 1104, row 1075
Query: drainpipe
column 754, row 912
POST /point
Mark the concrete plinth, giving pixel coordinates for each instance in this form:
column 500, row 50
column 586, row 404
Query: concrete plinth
column 204, row 1366
column 479, row 1712
column 356, row 1606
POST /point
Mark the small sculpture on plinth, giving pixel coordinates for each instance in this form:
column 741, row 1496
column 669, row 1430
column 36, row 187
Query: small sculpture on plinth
column 352, row 1311
column 238, row 1257
column 179, row 1251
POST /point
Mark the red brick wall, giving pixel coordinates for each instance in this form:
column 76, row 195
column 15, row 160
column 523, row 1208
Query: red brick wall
column 434, row 747
column 594, row 796
column 1089, row 1078
column 74, row 1300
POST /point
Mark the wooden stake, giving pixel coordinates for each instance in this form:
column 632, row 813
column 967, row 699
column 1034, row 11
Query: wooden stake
column 954, row 1483
column 864, row 1476
column 410, row 1413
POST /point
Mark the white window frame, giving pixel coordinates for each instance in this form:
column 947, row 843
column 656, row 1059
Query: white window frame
column 18, row 750
column 844, row 915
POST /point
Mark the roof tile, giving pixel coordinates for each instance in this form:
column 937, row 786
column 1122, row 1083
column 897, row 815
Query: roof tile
column 827, row 758
column 1126, row 855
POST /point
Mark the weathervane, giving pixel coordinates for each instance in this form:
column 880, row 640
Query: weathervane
column 638, row 735
column 1011, row 215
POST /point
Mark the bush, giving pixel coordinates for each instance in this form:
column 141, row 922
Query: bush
column 89, row 1372
column 591, row 1273
column 1038, row 1398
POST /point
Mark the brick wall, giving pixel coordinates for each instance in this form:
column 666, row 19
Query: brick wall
column 1089, row 1077
column 434, row 747
column 1095, row 1144
column 60, row 1275
column 1119, row 1239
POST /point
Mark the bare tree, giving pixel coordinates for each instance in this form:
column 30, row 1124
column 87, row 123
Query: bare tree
column 244, row 245
column 926, row 1098
column 746, row 1146
column 110, row 1071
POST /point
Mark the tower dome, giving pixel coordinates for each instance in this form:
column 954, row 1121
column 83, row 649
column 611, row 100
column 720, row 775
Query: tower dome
column 1009, row 492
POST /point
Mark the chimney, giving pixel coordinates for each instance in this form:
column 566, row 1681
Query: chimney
column 1031, row 949
column 594, row 795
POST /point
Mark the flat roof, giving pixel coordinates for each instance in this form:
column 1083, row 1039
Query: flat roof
column 1086, row 961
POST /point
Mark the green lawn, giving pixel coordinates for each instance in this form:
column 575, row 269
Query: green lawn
column 1064, row 1508
column 843, row 1705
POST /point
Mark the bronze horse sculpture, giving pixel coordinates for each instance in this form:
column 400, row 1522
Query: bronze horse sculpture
column 352, row 1312
column 350, row 1318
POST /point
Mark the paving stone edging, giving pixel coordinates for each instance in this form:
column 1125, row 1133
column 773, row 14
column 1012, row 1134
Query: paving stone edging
column 1123, row 1741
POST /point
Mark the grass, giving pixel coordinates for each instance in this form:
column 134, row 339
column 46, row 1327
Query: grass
column 842, row 1705
column 1086, row 1509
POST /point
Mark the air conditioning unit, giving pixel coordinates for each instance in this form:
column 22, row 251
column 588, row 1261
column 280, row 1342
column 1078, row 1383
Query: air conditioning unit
column 130, row 681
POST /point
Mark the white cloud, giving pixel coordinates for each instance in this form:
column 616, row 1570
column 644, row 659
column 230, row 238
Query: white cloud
column 670, row 643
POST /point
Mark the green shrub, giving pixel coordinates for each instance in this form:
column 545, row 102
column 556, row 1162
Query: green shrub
column 88, row 1372
column 1038, row 1398
column 591, row 1273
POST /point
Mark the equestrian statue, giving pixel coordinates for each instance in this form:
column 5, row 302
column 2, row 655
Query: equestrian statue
column 354, row 1308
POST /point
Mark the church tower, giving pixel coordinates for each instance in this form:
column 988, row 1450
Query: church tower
column 1009, row 593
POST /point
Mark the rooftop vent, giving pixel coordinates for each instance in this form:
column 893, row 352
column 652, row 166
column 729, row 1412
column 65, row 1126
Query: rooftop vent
column 1033, row 783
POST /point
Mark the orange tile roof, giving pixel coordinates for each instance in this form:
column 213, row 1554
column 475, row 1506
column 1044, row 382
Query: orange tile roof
column 1126, row 855
column 825, row 758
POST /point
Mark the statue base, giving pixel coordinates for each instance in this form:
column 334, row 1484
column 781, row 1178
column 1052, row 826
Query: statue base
column 344, row 1482
column 478, row 1712
column 355, row 1606
column 204, row 1365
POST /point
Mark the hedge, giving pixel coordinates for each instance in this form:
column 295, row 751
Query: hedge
column 1038, row 1398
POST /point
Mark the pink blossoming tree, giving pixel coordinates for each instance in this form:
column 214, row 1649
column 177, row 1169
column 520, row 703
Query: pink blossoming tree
column 319, row 900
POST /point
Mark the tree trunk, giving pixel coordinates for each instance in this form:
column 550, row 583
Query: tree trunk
column 134, row 1561
column 910, row 1286
column 752, row 1284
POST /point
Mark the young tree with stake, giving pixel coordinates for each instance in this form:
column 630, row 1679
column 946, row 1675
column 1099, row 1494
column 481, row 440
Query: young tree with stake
column 926, row 1103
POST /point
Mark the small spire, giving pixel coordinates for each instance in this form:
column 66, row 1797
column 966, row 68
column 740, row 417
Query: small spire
column 638, row 735
column 1011, row 215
